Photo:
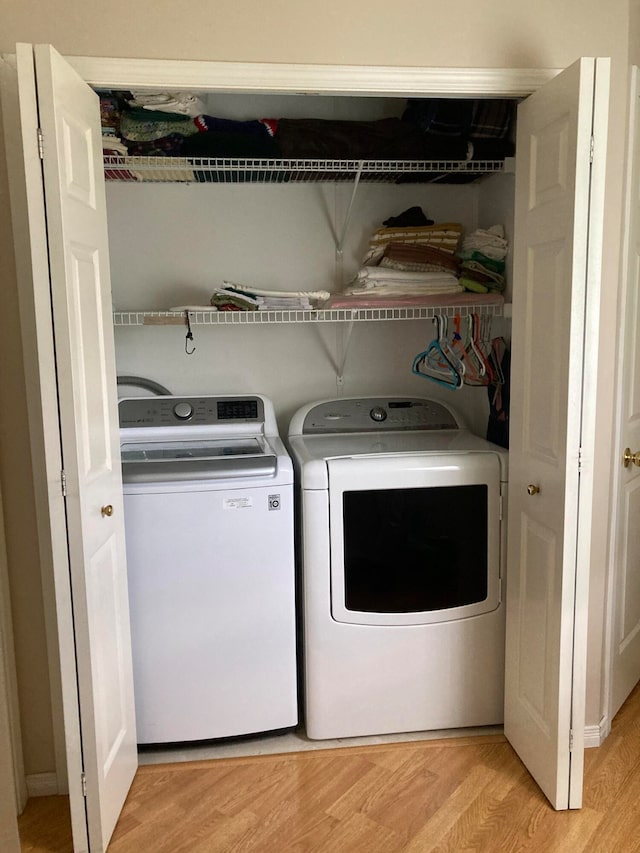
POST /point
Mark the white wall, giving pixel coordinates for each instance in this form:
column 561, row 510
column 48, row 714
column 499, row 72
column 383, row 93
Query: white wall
column 498, row 33
column 12, row 795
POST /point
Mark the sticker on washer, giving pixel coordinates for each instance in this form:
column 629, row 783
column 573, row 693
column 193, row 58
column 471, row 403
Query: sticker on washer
column 237, row 503
column 274, row 502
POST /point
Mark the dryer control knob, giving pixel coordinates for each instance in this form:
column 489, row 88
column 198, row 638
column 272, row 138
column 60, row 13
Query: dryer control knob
column 378, row 414
column 183, row 411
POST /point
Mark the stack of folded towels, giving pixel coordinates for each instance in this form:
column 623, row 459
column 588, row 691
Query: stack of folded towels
column 239, row 297
column 482, row 260
column 410, row 257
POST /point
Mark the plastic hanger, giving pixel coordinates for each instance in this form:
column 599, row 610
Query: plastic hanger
column 473, row 369
column 474, row 350
column 448, row 348
column 498, row 347
column 483, row 344
column 434, row 364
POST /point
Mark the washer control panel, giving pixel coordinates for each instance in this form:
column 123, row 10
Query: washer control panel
column 189, row 411
column 375, row 413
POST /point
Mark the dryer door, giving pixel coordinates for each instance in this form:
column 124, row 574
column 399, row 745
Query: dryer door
column 415, row 539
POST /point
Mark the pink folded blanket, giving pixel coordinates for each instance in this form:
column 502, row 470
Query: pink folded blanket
column 435, row 301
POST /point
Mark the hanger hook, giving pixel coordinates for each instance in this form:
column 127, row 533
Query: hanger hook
column 189, row 336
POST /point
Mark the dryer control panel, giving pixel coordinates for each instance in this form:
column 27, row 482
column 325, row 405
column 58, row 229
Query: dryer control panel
column 382, row 414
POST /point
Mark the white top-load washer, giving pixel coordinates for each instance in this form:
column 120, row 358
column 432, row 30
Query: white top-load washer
column 208, row 497
column 402, row 552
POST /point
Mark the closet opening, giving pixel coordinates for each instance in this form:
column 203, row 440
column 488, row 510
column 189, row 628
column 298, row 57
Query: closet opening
column 286, row 192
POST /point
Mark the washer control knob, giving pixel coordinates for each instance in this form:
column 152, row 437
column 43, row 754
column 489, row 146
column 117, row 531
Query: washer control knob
column 183, row 411
column 378, row 414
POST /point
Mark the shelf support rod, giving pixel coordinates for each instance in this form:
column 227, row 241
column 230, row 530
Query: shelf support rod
column 344, row 340
column 345, row 226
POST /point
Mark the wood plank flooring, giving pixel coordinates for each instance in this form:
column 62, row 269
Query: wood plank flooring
column 465, row 794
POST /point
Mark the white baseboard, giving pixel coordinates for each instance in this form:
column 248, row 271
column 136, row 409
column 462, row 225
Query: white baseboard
column 42, row 784
column 596, row 735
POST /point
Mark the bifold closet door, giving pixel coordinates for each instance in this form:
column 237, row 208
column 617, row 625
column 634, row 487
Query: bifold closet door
column 91, row 586
column 625, row 669
column 558, row 215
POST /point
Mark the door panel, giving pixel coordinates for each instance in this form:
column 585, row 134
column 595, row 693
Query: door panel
column 626, row 629
column 87, row 323
column 538, row 569
column 543, row 346
column 81, row 298
column 551, row 252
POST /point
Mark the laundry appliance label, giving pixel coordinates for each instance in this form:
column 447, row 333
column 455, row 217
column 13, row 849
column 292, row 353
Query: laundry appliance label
column 237, row 503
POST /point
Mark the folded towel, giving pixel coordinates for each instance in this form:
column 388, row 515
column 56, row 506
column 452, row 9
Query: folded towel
column 183, row 103
column 478, row 272
column 139, row 125
column 223, row 296
column 411, row 256
column 190, row 308
column 490, row 241
column 261, row 291
column 443, row 236
column 283, row 303
column 391, row 289
column 373, row 276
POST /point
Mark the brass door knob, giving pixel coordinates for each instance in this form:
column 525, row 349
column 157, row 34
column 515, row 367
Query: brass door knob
column 533, row 490
column 107, row 510
column 629, row 457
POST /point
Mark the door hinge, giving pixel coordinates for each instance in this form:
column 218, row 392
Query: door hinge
column 592, row 146
column 63, row 483
column 83, row 782
column 501, row 508
column 40, row 143
column 579, row 460
column 571, row 740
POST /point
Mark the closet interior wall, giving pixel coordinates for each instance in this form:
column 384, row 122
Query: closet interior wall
column 171, row 244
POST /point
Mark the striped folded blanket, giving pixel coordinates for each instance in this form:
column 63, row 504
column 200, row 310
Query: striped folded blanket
column 444, row 236
column 417, row 258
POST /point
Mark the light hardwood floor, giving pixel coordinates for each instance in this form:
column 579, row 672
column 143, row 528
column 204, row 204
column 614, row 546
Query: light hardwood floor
column 470, row 794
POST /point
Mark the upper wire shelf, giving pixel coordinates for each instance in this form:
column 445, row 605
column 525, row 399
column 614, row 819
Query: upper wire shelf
column 235, row 170
column 332, row 315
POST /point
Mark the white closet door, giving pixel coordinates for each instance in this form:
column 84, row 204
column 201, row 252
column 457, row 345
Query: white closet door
column 81, row 298
column 626, row 628
column 546, row 592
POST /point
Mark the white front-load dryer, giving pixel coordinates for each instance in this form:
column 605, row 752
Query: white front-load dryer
column 401, row 524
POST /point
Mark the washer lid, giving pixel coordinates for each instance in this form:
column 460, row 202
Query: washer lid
column 213, row 459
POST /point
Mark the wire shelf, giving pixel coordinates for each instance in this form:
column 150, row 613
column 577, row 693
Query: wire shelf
column 234, row 170
column 332, row 315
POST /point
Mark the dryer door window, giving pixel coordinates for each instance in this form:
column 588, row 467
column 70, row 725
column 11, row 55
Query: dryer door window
column 415, row 539
column 413, row 550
